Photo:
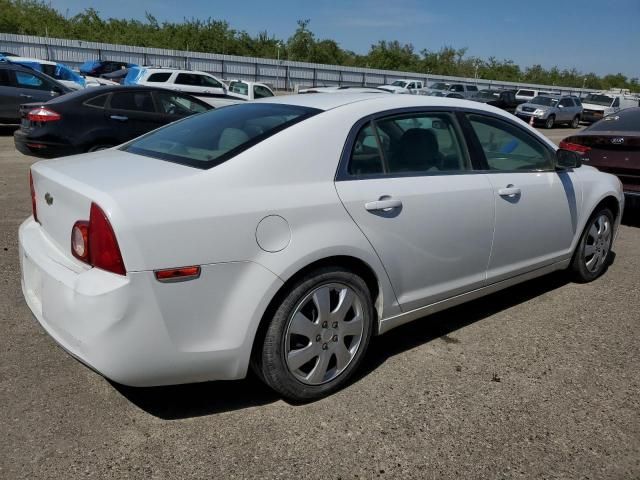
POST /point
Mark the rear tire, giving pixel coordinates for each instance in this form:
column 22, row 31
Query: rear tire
column 592, row 255
column 317, row 336
column 575, row 123
column 548, row 123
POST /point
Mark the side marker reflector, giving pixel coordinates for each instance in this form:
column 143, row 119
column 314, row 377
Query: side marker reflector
column 180, row 274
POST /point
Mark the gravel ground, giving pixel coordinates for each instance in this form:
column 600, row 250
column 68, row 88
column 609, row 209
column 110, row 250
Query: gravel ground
column 539, row 381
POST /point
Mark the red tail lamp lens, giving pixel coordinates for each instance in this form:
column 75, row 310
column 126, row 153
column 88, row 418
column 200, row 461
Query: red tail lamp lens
column 95, row 243
column 43, row 114
column 574, row 147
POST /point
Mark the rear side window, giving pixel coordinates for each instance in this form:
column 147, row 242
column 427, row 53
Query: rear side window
column 134, row 101
column 207, row 140
column 508, row 148
column 261, row 92
column 176, row 104
column 98, row 102
column 472, row 88
column 159, row 77
column 566, row 102
column 197, row 80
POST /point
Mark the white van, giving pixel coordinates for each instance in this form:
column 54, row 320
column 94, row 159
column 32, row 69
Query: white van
column 600, row 104
column 526, row 94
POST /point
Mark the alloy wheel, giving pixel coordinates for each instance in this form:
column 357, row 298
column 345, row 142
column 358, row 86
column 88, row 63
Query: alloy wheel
column 597, row 243
column 324, row 333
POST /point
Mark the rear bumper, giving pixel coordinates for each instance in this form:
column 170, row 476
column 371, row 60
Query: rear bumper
column 42, row 149
column 140, row 332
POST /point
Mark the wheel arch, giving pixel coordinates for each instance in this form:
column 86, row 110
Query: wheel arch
column 349, row 262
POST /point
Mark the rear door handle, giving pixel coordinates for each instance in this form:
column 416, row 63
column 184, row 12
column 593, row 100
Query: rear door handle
column 120, row 118
column 509, row 191
column 24, row 95
column 383, row 204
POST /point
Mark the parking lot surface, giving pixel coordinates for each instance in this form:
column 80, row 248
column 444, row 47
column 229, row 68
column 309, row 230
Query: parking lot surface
column 538, row 381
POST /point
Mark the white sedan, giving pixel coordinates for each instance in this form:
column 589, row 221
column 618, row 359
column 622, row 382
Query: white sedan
column 282, row 234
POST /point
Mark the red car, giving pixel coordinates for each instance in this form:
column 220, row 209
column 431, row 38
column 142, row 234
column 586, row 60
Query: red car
column 612, row 145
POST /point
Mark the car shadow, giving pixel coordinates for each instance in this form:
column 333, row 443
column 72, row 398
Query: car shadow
column 200, row 399
column 631, row 215
column 7, row 130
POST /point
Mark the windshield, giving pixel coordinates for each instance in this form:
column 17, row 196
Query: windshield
column 488, row 94
column 440, row 86
column 399, row 83
column 545, row 101
column 596, row 99
column 209, row 139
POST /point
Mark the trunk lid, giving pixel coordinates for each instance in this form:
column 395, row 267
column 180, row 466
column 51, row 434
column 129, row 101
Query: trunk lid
column 66, row 187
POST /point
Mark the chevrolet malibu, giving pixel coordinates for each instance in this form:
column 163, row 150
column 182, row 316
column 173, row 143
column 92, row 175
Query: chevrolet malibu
column 282, row 234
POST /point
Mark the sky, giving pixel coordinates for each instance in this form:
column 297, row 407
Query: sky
column 600, row 36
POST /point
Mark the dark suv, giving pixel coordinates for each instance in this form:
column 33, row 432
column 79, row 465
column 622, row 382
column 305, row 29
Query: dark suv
column 19, row 85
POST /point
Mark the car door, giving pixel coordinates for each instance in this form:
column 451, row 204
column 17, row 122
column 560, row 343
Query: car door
column 8, row 97
column 535, row 205
column 132, row 113
column 33, row 87
column 407, row 182
column 566, row 110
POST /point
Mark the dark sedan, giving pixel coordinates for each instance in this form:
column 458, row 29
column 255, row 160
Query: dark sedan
column 613, row 145
column 98, row 118
column 504, row 99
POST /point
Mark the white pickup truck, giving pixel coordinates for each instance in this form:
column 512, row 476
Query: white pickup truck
column 598, row 105
column 404, row 86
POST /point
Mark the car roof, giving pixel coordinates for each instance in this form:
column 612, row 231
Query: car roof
column 95, row 91
column 31, row 59
column 377, row 101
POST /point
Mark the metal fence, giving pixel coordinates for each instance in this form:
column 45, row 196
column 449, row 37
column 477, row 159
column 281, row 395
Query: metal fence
column 282, row 74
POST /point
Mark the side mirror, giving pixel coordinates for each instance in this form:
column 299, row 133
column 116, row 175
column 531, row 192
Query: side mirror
column 568, row 159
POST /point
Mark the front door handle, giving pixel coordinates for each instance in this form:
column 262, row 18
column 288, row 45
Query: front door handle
column 24, row 95
column 120, row 118
column 509, row 191
column 385, row 204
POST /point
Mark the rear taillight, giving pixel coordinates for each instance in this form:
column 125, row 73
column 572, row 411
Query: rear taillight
column 42, row 114
column 95, row 243
column 574, row 147
column 34, row 208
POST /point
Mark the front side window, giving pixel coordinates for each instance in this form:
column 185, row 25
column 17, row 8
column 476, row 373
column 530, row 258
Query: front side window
column 176, row 104
column 133, row 101
column 28, row 80
column 526, row 93
column 416, row 143
column 457, row 88
column 5, row 79
column 508, row 148
column 616, row 102
column 207, row 140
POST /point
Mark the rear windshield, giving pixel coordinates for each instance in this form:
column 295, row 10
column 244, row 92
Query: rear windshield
column 546, row 101
column 627, row 120
column 209, row 139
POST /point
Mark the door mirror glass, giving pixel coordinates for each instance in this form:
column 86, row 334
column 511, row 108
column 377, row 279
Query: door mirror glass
column 568, row 159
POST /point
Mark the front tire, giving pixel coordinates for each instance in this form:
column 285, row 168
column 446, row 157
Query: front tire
column 318, row 335
column 591, row 258
column 548, row 124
